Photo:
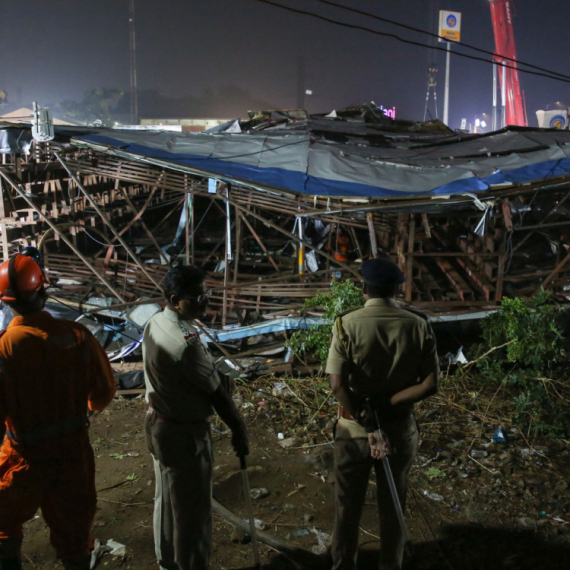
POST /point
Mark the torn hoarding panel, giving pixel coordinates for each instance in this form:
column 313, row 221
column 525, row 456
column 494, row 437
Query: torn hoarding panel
column 245, row 238
column 310, row 165
column 277, row 325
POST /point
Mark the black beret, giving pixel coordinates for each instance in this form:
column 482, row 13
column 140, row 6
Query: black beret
column 380, row 272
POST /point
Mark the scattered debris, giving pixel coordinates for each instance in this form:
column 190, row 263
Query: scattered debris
column 323, row 540
column 259, row 493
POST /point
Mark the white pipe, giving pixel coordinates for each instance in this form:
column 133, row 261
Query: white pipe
column 446, row 96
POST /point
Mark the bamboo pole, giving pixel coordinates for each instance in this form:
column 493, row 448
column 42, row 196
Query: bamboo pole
column 301, row 252
column 356, row 242
column 554, row 272
column 169, row 213
column 372, row 235
column 63, row 238
column 501, row 269
column 145, row 227
column 3, row 227
column 238, row 244
column 107, row 222
column 295, row 238
column 192, row 253
column 225, row 293
column 187, row 226
column 258, row 240
column 409, row 285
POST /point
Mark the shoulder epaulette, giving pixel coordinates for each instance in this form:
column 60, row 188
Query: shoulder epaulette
column 339, row 329
column 340, row 315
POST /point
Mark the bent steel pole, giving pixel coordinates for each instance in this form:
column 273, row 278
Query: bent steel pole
column 109, row 224
column 293, row 237
column 28, row 200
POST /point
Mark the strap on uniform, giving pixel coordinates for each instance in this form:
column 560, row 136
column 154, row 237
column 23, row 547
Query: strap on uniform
column 12, row 277
column 340, row 333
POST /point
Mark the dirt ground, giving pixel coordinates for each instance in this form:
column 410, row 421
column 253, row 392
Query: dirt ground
column 505, row 507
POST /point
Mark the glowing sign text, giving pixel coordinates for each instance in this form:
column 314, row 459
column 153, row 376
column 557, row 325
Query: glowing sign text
column 389, row 112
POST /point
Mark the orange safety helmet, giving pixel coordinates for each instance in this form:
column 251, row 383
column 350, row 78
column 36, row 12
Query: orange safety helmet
column 20, row 276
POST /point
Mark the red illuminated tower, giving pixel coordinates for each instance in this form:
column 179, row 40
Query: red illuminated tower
column 509, row 81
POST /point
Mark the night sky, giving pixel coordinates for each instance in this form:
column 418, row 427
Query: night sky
column 56, row 50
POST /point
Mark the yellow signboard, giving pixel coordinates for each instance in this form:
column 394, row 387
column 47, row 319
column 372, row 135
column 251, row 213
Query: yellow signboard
column 449, row 25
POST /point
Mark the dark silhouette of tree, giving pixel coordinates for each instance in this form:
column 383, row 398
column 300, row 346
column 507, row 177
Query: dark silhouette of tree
column 95, row 106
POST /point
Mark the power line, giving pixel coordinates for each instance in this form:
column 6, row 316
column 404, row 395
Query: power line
column 410, row 42
column 419, row 30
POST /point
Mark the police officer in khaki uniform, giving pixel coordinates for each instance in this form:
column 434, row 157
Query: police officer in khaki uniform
column 183, row 390
column 388, row 354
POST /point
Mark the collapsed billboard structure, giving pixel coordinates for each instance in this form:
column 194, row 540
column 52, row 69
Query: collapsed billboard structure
column 276, row 206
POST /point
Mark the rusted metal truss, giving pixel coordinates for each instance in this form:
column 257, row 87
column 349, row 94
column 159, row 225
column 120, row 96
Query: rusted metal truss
column 108, row 228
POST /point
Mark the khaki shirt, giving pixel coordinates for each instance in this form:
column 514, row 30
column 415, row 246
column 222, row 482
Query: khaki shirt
column 178, row 369
column 382, row 348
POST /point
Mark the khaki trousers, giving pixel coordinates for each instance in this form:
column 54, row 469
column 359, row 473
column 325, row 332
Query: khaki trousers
column 352, row 471
column 182, row 458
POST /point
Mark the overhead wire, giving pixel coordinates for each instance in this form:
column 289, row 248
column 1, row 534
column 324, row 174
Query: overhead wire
column 431, row 34
column 409, row 42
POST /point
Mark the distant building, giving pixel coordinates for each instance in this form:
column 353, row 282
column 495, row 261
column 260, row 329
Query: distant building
column 187, row 125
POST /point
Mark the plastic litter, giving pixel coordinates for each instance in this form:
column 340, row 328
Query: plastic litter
column 112, row 547
column 279, row 388
column 259, row 493
column 457, row 358
column 259, row 524
column 98, row 552
column 433, row 496
column 478, row 453
column 301, row 532
column 323, row 540
column 117, row 549
column 499, row 436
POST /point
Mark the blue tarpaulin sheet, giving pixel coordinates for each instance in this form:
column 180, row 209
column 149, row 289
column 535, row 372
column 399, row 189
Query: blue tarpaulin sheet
column 301, row 163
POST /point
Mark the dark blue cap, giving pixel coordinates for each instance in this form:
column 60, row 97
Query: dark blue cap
column 380, row 272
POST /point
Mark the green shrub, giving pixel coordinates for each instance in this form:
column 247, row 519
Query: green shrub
column 343, row 296
column 528, row 361
column 530, row 327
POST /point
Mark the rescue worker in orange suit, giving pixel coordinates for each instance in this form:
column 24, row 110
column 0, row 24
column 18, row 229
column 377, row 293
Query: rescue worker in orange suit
column 343, row 246
column 52, row 372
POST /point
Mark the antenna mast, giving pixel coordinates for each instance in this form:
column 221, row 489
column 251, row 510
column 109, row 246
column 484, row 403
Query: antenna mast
column 133, row 64
column 432, row 67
